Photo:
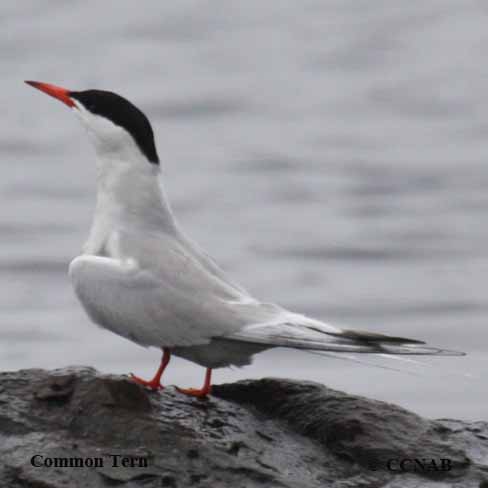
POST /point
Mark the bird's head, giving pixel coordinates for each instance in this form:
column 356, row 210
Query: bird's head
column 115, row 125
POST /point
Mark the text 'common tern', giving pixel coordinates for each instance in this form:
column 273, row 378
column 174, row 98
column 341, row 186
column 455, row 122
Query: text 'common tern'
column 142, row 278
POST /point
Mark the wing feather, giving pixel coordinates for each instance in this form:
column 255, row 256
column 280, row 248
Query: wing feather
column 301, row 332
column 164, row 291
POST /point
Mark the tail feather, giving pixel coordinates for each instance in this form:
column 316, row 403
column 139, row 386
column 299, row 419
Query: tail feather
column 377, row 348
column 412, row 367
column 353, row 359
column 304, row 333
column 373, row 337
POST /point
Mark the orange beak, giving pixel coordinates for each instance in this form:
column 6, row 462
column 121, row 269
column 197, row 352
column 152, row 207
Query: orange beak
column 55, row 91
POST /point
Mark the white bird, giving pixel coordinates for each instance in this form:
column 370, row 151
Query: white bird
column 141, row 277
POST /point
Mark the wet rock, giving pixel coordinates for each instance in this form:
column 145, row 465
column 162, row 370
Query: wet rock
column 77, row 428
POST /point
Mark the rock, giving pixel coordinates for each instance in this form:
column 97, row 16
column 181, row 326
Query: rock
column 77, row 428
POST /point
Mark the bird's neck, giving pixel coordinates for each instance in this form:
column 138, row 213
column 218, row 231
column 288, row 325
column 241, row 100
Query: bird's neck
column 129, row 199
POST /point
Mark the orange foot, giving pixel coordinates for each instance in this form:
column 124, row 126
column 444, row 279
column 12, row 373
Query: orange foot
column 153, row 384
column 195, row 392
column 199, row 392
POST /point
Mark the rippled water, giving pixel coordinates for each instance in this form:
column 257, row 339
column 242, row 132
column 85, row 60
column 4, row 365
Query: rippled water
column 330, row 155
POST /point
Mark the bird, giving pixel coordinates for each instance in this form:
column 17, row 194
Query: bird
column 141, row 277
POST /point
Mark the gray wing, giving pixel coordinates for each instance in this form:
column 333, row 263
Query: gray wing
column 158, row 291
column 302, row 332
column 161, row 290
column 273, row 326
column 141, row 306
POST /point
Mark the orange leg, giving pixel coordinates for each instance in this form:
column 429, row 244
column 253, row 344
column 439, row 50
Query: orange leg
column 155, row 383
column 202, row 392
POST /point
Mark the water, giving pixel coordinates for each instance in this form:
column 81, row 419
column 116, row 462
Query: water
column 331, row 155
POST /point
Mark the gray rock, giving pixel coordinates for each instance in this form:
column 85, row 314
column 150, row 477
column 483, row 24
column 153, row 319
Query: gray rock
column 104, row 431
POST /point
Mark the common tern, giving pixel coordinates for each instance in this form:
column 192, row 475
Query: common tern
column 142, row 278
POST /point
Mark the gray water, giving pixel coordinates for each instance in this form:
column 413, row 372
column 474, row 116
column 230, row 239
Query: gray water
column 330, row 155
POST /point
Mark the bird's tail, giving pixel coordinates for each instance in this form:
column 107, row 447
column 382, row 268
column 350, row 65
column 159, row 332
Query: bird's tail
column 309, row 334
column 406, row 365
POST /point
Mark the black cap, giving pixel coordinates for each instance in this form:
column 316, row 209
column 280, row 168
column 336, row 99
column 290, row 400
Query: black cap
column 122, row 113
